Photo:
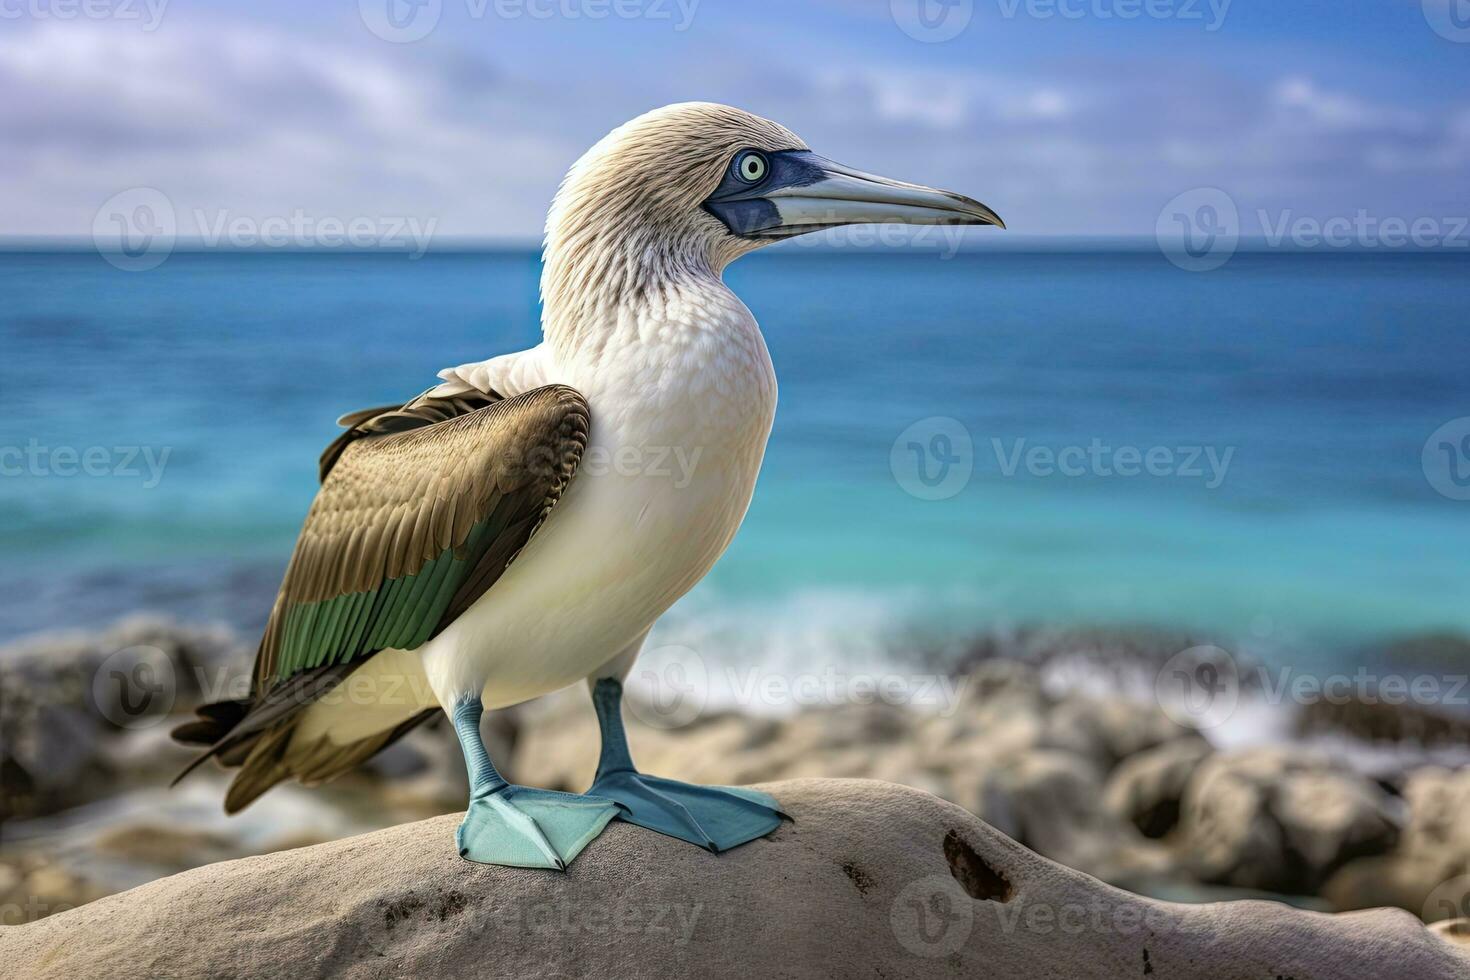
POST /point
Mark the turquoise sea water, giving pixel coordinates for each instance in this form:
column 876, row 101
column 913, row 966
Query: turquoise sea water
column 1320, row 375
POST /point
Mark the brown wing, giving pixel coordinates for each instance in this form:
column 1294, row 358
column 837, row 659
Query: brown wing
column 422, row 507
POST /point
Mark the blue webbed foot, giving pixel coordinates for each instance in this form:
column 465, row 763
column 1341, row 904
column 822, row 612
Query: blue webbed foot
column 531, row 828
column 714, row 817
column 515, row 825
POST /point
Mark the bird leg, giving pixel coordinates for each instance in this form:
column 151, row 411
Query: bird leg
column 716, row 818
column 518, row 826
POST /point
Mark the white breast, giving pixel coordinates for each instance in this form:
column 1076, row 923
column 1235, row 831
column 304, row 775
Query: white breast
column 682, row 396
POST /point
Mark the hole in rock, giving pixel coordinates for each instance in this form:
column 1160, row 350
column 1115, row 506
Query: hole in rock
column 973, row 872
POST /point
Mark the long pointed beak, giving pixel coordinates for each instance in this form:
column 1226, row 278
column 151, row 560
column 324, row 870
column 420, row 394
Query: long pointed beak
column 844, row 196
column 806, row 193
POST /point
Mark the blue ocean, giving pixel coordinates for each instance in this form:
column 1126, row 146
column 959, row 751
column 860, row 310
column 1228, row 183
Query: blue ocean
column 989, row 441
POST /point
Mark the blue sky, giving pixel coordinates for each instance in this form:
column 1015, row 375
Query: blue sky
column 1067, row 116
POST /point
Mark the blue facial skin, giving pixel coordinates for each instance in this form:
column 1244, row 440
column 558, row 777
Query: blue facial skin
column 743, row 206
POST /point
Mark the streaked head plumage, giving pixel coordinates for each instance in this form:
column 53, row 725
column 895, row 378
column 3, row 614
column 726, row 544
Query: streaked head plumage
column 645, row 180
column 679, row 192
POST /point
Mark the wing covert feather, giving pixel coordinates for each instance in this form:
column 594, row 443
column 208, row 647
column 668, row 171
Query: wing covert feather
column 421, row 509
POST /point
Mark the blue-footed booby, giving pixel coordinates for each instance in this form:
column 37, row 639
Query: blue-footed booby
column 458, row 558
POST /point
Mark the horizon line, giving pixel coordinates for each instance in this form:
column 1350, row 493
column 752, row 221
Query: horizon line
column 474, row 244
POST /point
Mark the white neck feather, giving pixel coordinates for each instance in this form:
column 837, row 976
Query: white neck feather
column 595, row 291
column 626, row 230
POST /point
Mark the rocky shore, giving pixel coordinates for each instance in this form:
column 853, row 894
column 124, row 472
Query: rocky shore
column 1105, row 783
column 869, row 879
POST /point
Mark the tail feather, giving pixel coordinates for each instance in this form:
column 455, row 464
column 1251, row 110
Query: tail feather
column 212, row 722
column 254, row 735
column 271, row 760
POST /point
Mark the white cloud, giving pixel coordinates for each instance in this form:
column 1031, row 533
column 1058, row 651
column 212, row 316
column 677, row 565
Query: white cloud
column 257, row 122
column 1338, row 110
column 262, row 121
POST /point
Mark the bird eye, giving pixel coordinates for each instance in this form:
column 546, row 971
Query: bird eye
column 751, row 167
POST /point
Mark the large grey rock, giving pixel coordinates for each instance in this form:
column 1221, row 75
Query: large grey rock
column 1029, row 763
column 1147, row 789
column 872, row 880
column 1053, row 801
column 84, row 713
column 1109, row 730
column 1429, row 871
column 1439, row 801
column 1002, row 752
column 1282, row 819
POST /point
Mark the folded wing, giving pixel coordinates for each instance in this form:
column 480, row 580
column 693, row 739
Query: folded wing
column 422, row 507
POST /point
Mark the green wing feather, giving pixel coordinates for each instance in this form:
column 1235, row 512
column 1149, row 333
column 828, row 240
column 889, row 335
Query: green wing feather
column 421, row 509
column 416, row 506
column 401, row 613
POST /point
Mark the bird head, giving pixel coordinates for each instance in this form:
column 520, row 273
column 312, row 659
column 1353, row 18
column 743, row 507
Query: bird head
column 698, row 184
